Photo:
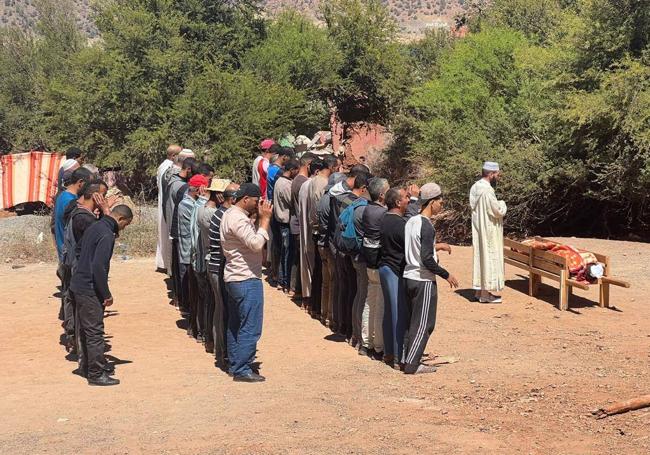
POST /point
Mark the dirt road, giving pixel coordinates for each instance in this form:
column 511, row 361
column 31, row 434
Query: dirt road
column 526, row 378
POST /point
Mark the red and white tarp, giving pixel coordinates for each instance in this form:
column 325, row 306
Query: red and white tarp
column 28, row 177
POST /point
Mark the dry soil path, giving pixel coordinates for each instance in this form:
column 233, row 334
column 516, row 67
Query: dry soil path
column 526, row 379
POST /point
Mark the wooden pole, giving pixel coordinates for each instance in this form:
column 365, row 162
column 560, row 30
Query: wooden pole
column 623, row 406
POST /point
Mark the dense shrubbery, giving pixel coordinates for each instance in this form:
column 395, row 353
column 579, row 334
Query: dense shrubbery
column 557, row 90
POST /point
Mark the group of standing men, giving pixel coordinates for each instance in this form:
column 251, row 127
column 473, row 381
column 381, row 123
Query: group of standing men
column 358, row 255
column 211, row 235
column 85, row 225
column 365, row 254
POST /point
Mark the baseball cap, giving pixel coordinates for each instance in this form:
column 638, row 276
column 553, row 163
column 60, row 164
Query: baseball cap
column 248, row 189
column 198, row 181
column 429, row 191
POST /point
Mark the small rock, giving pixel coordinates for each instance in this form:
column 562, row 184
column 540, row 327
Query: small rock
column 62, row 419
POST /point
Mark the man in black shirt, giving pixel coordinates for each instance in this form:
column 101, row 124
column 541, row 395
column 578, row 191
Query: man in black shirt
column 91, row 200
column 391, row 268
column 89, row 286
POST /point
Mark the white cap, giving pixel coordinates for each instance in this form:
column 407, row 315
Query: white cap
column 491, row 166
column 69, row 164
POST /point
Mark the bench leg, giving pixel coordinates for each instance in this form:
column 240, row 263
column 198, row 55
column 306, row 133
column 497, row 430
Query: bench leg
column 564, row 291
column 604, row 295
column 534, row 281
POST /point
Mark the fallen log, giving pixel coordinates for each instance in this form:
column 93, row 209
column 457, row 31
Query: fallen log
column 623, row 406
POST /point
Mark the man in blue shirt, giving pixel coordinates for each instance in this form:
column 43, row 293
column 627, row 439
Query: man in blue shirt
column 275, row 169
column 67, row 198
column 74, row 184
column 73, row 154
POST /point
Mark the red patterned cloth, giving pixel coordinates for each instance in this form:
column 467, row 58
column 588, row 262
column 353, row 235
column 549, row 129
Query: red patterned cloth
column 28, row 177
column 574, row 259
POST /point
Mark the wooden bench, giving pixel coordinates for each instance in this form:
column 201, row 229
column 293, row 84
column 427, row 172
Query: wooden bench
column 541, row 263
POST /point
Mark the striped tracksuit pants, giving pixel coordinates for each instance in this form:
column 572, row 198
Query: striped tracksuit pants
column 422, row 303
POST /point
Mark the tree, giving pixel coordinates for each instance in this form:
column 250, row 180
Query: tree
column 297, row 52
column 373, row 77
column 226, row 114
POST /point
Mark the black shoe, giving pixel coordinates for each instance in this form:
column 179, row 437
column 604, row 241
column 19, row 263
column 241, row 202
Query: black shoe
column 103, row 380
column 109, row 368
column 363, row 351
column 80, row 372
column 250, row 377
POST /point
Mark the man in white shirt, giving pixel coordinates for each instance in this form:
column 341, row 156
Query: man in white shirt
column 420, row 252
column 164, row 246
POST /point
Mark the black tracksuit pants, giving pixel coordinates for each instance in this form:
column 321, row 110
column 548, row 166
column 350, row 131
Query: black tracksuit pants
column 422, row 303
column 346, row 290
column 91, row 333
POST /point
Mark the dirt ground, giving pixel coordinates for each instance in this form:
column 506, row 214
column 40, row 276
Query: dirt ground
column 526, row 379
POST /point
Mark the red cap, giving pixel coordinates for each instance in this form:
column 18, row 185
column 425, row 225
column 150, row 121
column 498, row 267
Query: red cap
column 198, row 181
column 266, row 144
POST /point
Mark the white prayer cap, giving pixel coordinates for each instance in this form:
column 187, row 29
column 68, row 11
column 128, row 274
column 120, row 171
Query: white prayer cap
column 185, row 153
column 69, row 164
column 491, row 166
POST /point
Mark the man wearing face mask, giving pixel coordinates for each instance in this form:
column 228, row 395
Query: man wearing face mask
column 487, row 235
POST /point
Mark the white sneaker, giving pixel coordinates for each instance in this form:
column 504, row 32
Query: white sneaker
column 489, row 298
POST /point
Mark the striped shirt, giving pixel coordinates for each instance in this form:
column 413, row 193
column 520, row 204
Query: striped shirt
column 215, row 263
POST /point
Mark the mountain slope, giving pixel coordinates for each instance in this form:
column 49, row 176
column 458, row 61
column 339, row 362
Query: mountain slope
column 412, row 15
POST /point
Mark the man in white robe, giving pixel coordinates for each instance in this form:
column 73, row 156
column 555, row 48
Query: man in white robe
column 307, row 247
column 163, row 247
column 487, row 235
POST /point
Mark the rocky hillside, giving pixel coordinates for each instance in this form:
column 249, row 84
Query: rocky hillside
column 412, row 15
column 23, row 13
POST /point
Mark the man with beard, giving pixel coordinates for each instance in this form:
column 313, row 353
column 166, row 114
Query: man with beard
column 487, row 235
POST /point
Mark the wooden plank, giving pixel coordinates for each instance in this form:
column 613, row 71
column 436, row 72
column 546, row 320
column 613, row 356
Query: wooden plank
column 548, row 266
column 601, row 257
column 518, row 245
column 534, row 280
column 578, row 284
column 550, row 257
column 544, row 273
column 517, row 256
column 515, row 263
column 564, row 290
column 603, row 301
column 615, row 281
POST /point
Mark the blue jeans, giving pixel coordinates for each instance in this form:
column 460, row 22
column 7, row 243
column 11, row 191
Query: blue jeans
column 286, row 258
column 395, row 311
column 245, row 314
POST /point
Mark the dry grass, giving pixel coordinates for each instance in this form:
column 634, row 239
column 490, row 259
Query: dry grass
column 27, row 239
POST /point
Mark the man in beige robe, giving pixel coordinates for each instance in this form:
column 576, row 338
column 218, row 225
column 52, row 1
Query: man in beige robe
column 487, row 235
column 307, row 248
column 164, row 246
